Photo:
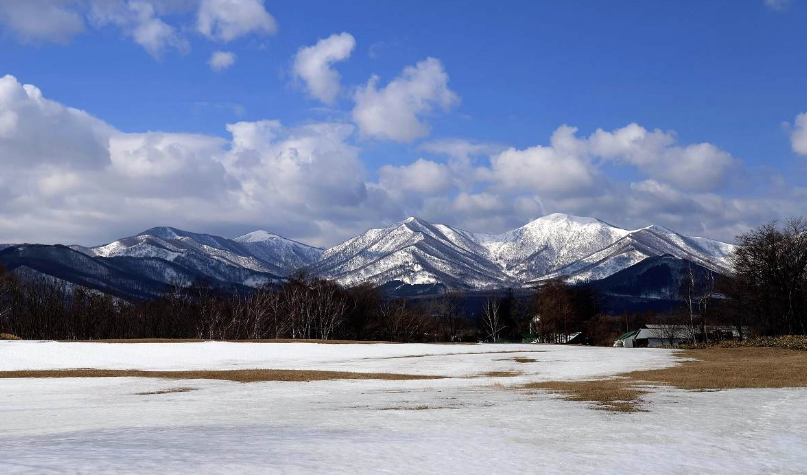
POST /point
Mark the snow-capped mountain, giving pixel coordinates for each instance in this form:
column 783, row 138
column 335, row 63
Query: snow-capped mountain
column 412, row 252
column 547, row 244
column 642, row 243
column 558, row 245
column 284, row 255
column 252, row 260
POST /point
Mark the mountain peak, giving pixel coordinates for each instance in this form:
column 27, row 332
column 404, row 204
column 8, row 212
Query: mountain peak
column 258, row 236
column 413, row 219
column 163, row 232
column 563, row 217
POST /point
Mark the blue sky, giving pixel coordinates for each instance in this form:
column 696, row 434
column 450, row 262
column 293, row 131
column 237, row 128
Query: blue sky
column 503, row 76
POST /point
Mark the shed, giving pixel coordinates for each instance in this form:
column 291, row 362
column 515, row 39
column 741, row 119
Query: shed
column 655, row 336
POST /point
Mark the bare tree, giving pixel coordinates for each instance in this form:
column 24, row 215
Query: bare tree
column 770, row 268
column 704, row 299
column 329, row 306
column 491, row 317
column 690, row 297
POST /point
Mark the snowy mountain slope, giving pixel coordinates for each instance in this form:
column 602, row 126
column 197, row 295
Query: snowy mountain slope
column 284, row 255
column 569, row 247
column 61, row 263
column 171, row 244
column 547, row 244
column 125, row 277
column 643, row 243
column 215, row 256
column 414, row 252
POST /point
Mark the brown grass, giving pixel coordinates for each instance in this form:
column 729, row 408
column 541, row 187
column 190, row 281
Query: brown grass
column 166, row 391
column 522, row 359
column 499, row 374
column 618, row 395
column 709, row 369
column 239, row 375
column 8, row 336
column 728, row 368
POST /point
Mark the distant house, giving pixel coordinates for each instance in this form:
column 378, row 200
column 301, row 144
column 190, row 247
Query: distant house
column 654, row 336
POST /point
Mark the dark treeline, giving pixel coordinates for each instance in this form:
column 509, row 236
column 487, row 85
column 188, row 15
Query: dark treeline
column 301, row 308
column 768, row 291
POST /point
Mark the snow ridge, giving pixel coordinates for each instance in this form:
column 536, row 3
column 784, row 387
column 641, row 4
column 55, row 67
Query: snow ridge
column 415, row 251
column 554, row 246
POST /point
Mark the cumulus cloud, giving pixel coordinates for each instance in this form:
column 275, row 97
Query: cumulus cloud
column 571, row 164
column 226, row 20
column 145, row 21
column 561, row 168
column 306, row 165
column 798, row 134
column 35, row 130
column 699, row 167
column 221, row 60
column 139, row 20
column 313, row 64
column 516, row 185
column 423, row 176
column 74, row 174
column 41, row 20
column 395, row 111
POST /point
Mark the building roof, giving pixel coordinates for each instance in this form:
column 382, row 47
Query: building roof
column 664, row 332
column 627, row 335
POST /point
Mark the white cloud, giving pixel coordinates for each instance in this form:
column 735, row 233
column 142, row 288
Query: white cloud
column 557, row 169
column 459, row 148
column 306, row 165
column 570, row 162
column 41, row 20
column 422, row 176
column 74, row 174
column 139, row 20
column 226, row 20
column 35, row 130
column 145, row 21
column 394, row 112
column 221, row 60
column 798, row 134
column 313, row 64
column 778, row 5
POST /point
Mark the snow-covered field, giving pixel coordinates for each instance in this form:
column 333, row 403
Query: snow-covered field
column 463, row 424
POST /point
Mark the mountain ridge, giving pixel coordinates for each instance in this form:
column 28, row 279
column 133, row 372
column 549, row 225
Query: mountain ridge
column 412, row 252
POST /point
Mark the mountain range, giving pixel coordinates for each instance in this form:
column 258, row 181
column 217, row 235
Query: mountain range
column 411, row 253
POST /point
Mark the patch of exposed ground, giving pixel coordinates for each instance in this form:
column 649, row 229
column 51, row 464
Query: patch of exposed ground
column 523, row 359
column 702, row 370
column 499, row 374
column 239, row 375
column 166, row 391
column 420, row 407
column 456, row 354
